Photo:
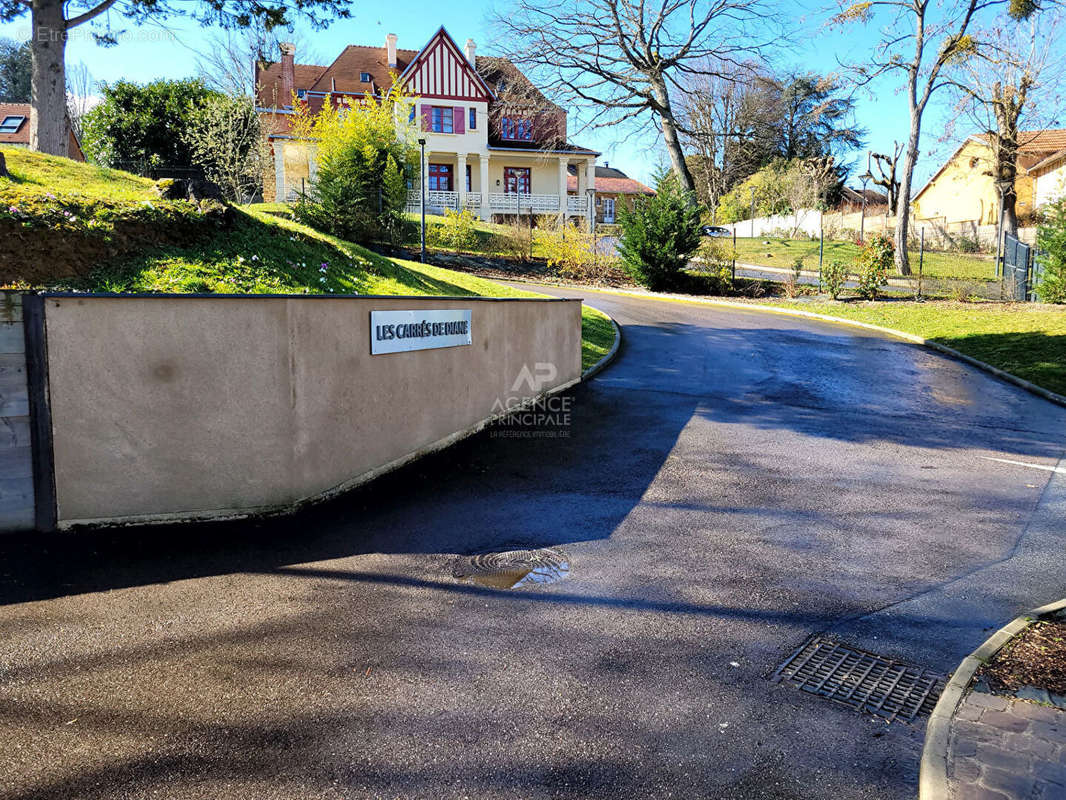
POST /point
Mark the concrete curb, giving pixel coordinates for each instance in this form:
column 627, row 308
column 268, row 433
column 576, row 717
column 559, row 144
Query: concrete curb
column 933, row 772
column 1058, row 399
column 607, row 359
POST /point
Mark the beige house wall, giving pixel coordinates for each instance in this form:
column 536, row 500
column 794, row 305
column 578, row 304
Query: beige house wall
column 201, row 407
column 1050, row 184
column 964, row 191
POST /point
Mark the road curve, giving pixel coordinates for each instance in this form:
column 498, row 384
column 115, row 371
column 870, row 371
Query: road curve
column 735, row 482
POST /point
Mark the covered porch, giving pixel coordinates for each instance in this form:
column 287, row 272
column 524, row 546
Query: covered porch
column 505, row 183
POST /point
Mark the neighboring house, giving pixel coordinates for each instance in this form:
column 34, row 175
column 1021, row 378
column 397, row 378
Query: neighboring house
column 1049, row 178
column 494, row 144
column 614, row 189
column 851, row 200
column 15, row 129
column 963, row 189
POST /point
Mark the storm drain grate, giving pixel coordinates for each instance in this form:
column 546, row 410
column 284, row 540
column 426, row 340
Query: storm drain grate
column 860, row 680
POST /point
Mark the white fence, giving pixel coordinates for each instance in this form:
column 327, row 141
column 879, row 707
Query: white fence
column 847, row 225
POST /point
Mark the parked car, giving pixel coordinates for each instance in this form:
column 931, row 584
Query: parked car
column 716, row 231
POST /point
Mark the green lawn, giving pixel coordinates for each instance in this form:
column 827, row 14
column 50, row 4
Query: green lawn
column 597, row 336
column 783, row 252
column 1027, row 340
column 36, row 174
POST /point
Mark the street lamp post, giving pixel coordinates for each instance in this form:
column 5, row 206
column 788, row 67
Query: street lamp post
column 422, row 193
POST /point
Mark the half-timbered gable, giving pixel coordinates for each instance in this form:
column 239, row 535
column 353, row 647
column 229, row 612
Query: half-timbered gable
column 441, row 71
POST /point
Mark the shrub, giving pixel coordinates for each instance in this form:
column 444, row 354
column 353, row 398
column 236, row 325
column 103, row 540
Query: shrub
column 513, row 240
column 458, row 232
column 834, row 275
column 659, row 235
column 1051, row 239
column 875, row 260
column 225, row 140
column 571, row 253
column 359, row 191
column 139, row 126
column 792, row 285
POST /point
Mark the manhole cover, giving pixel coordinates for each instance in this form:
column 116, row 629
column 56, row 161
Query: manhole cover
column 514, row 568
column 860, row 680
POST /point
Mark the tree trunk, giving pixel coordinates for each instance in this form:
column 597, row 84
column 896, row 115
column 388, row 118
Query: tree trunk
column 903, row 199
column 673, row 142
column 48, row 123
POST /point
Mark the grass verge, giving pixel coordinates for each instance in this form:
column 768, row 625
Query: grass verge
column 597, row 336
column 783, row 252
column 1027, row 340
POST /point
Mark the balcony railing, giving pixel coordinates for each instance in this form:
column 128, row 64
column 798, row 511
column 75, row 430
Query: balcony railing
column 499, row 203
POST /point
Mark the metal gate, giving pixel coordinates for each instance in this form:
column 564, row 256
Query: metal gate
column 1017, row 269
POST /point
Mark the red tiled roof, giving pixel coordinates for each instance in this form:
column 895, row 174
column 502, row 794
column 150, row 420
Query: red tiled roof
column 22, row 135
column 612, row 185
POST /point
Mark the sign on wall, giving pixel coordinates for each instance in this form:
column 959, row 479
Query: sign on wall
column 401, row 331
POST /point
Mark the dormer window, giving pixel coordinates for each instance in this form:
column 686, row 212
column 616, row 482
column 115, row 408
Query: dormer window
column 365, row 77
column 501, row 85
column 516, row 129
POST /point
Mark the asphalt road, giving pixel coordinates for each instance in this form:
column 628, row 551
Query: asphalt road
column 735, row 482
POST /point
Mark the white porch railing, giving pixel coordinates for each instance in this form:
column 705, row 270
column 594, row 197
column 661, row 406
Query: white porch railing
column 524, row 203
column 499, row 203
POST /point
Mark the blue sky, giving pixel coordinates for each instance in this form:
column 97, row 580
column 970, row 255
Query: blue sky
column 150, row 52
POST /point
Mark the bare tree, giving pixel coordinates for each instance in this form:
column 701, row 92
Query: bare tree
column 718, row 124
column 227, row 61
column 995, row 85
column 80, row 99
column 628, row 59
column 920, row 39
column 886, row 174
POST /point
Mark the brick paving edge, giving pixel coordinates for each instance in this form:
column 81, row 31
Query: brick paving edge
column 933, row 773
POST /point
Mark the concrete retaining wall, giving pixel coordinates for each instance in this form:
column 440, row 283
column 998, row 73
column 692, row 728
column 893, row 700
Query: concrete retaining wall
column 199, row 407
column 16, row 458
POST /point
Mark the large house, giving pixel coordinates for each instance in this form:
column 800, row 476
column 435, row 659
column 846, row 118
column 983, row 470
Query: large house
column 613, row 190
column 15, row 129
column 494, row 143
column 963, row 189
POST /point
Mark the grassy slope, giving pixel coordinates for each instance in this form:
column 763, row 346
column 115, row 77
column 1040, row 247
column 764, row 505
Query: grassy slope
column 261, row 253
column 782, row 252
column 39, row 175
column 1026, row 340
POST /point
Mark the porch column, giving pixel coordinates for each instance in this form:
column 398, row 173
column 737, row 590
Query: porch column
column 562, row 190
column 460, row 178
column 590, row 178
column 486, row 212
column 279, row 171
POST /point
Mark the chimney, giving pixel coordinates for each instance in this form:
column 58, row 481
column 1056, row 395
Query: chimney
column 471, row 51
column 288, row 73
column 390, row 46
